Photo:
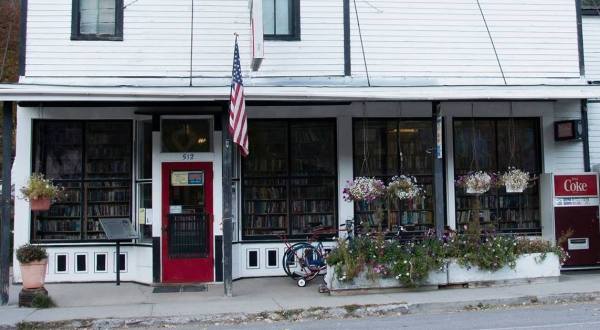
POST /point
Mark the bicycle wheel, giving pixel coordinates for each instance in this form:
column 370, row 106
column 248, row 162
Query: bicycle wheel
column 303, row 260
column 291, row 256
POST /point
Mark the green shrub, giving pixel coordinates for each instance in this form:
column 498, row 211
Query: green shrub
column 42, row 301
column 28, row 253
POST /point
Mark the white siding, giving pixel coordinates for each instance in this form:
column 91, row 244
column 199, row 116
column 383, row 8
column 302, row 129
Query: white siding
column 419, row 41
column 594, row 134
column 447, row 38
column 568, row 155
column 157, row 41
column 591, row 44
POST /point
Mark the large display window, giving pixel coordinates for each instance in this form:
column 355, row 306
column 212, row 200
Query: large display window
column 289, row 180
column 92, row 161
column 384, row 148
column 485, row 144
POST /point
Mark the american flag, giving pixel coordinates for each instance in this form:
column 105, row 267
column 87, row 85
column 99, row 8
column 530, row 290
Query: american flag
column 238, row 123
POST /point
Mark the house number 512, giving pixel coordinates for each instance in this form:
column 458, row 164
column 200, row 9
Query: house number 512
column 187, row 156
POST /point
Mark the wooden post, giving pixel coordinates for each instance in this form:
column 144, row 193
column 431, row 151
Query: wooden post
column 438, row 170
column 6, row 200
column 227, row 210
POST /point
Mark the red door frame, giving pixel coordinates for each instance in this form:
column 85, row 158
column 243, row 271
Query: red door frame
column 187, row 270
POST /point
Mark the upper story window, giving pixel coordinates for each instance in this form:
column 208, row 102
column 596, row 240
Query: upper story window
column 97, row 20
column 281, row 19
column 590, row 7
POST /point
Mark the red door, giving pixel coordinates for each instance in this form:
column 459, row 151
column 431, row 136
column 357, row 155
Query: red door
column 584, row 245
column 187, row 236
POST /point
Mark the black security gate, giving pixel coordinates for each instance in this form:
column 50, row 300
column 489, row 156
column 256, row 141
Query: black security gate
column 188, row 235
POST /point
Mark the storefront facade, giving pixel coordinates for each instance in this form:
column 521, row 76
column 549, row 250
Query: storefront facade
column 131, row 163
column 131, row 124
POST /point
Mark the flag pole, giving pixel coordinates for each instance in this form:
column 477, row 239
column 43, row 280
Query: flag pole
column 228, row 151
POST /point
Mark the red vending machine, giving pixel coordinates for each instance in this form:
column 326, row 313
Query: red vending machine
column 576, row 210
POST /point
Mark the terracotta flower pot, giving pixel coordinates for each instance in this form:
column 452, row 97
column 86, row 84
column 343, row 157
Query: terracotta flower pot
column 41, row 204
column 34, row 274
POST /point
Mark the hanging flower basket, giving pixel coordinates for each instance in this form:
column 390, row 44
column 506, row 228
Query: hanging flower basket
column 363, row 189
column 40, row 192
column 40, row 204
column 476, row 183
column 514, row 180
column 404, row 187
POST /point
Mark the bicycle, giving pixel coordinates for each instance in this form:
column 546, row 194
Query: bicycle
column 304, row 261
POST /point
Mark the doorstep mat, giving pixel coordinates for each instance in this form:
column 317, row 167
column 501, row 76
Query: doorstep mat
column 180, row 288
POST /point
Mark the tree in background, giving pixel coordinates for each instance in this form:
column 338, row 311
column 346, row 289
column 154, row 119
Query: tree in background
column 9, row 41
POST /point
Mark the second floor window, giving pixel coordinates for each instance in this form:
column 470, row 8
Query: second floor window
column 281, row 19
column 97, row 20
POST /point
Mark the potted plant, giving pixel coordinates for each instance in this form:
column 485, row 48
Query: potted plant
column 514, row 180
column 404, row 187
column 478, row 182
column 40, row 192
column 363, row 189
column 33, row 260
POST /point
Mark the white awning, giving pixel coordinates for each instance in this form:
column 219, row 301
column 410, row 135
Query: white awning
column 39, row 93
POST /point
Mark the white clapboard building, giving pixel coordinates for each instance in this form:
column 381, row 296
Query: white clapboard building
column 124, row 103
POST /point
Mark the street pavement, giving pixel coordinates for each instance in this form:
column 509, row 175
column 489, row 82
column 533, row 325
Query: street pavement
column 554, row 317
column 130, row 302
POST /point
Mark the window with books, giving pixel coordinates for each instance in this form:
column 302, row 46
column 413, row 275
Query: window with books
column 384, row 148
column 517, row 213
column 144, row 180
column 92, row 161
column 289, row 181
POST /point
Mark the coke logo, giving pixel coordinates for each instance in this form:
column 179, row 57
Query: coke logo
column 575, row 186
column 581, row 185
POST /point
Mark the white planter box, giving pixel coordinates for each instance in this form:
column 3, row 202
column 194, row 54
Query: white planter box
column 361, row 282
column 527, row 267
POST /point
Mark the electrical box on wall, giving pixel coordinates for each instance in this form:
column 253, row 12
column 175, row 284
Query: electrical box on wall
column 568, row 130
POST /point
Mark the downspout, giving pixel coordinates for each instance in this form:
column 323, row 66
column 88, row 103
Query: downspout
column 585, row 136
column 347, row 55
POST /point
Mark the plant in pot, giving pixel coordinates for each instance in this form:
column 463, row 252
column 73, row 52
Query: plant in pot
column 33, row 260
column 364, row 191
column 40, row 192
column 404, row 187
column 514, row 180
column 478, row 182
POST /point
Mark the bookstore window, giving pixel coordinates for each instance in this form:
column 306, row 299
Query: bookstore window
column 144, row 180
column 517, row 213
column 289, row 178
column 186, row 135
column 396, row 147
column 92, row 162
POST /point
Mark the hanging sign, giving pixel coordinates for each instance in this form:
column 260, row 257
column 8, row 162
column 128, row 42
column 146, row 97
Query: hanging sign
column 576, row 185
column 439, row 151
column 257, row 34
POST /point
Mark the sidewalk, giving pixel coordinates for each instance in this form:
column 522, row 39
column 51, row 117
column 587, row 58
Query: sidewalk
column 133, row 301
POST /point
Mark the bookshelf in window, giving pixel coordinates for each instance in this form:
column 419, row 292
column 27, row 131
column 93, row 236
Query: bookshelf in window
column 414, row 215
column 105, row 199
column 387, row 147
column 92, row 160
column 504, row 212
column 63, row 220
column 289, row 180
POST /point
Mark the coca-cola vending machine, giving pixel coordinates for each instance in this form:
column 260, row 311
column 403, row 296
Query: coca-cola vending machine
column 575, row 200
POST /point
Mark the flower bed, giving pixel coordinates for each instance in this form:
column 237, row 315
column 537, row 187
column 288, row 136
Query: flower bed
column 527, row 267
column 372, row 262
